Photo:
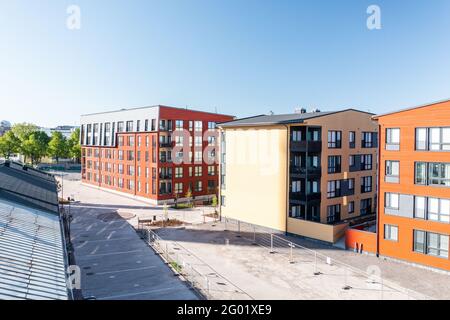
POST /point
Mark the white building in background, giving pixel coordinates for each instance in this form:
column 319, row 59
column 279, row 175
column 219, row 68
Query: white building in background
column 65, row 130
column 4, row 126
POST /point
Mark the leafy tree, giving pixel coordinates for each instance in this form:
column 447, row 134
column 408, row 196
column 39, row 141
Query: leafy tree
column 57, row 147
column 9, row 144
column 188, row 196
column 23, row 131
column 35, row 147
column 73, row 145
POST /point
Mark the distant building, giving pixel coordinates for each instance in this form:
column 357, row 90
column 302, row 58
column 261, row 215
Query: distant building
column 4, row 127
column 65, row 130
column 155, row 153
column 33, row 257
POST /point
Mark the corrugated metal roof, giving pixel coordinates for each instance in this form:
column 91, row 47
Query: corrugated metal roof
column 32, row 257
column 263, row 120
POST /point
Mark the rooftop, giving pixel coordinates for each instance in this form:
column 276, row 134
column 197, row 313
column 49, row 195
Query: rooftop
column 150, row 107
column 264, row 120
column 412, row 108
column 28, row 186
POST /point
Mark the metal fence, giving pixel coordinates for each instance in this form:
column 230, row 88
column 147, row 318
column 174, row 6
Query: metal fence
column 200, row 276
column 348, row 280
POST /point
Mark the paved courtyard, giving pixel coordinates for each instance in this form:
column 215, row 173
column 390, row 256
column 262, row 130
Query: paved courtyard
column 234, row 267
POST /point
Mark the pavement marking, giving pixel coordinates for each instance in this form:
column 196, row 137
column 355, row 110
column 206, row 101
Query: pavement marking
column 136, row 293
column 124, row 270
column 101, row 240
column 109, row 254
column 95, row 250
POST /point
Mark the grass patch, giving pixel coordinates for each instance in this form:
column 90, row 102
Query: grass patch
column 182, row 206
column 168, row 223
column 176, row 266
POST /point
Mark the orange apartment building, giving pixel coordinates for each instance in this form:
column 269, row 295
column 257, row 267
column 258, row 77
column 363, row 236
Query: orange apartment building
column 414, row 185
column 153, row 153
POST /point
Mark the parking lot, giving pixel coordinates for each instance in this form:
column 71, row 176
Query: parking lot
column 115, row 263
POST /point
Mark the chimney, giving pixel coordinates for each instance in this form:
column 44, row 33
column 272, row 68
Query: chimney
column 300, row 110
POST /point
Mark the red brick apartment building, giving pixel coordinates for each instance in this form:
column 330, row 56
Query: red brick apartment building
column 414, row 188
column 155, row 153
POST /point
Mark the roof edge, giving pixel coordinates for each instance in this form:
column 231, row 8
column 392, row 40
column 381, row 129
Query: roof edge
column 411, row 108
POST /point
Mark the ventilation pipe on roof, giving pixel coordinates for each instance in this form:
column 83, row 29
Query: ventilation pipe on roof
column 300, row 110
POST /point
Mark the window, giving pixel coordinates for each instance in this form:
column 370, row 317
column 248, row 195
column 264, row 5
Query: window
column 178, row 188
column 146, row 125
column 393, row 139
column 351, row 207
column 130, row 141
column 120, row 126
column 129, row 126
column 296, row 135
column 433, row 174
column 334, row 189
column 366, row 162
column 178, row 172
column 334, row 139
column 421, row 138
column 138, row 125
column 153, row 124
column 179, row 124
column 420, row 207
column 198, row 186
column 392, row 201
column 438, row 139
column 198, row 141
column 198, row 156
column 431, row 243
column 333, row 213
column 198, row 171
column 368, row 140
column 421, row 173
column 296, row 186
column 211, row 170
column 351, row 160
column 223, row 201
column 198, row 126
column 211, row 125
column 392, row 168
column 351, row 185
column 438, row 210
column 366, row 206
column 366, row 184
column 352, row 139
column 334, row 164
column 390, row 232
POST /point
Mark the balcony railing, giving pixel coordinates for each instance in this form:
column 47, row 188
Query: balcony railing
column 306, row 170
column 302, row 196
column 310, row 146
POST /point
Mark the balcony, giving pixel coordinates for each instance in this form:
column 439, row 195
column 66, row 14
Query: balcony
column 302, row 196
column 306, row 146
column 165, row 144
column 302, row 171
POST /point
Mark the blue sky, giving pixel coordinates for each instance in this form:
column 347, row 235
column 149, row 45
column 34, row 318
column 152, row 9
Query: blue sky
column 240, row 57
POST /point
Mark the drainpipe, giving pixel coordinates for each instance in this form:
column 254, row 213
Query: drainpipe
column 287, row 175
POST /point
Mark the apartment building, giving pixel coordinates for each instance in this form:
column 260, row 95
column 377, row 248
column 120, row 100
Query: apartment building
column 309, row 174
column 414, row 185
column 156, row 153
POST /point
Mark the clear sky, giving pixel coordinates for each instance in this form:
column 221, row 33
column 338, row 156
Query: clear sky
column 240, row 57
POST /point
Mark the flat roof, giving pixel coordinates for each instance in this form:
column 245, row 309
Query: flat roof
column 411, row 108
column 150, row 107
column 264, row 120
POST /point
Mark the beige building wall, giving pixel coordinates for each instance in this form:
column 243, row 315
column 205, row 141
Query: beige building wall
column 346, row 121
column 256, row 176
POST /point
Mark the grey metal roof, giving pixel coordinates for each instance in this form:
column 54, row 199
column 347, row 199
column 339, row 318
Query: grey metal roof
column 32, row 256
column 411, row 108
column 28, row 186
column 262, row 120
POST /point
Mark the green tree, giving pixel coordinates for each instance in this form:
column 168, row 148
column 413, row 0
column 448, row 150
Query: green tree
column 73, row 145
column 23, row 131
column 9, row 144
column 35, row 147
column 188, row 196
column 58, row 147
